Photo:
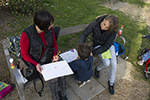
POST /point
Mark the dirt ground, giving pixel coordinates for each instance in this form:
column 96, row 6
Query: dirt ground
column 3, row 28
column 130, row 87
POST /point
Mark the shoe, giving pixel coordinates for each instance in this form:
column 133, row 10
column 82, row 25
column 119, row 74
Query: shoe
column 140, row 63
column 80, row 84
column 111, row 88
column 88, row 81
column 96, row 73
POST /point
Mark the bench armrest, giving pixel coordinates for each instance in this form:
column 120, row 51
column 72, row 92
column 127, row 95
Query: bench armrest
column 15, row 75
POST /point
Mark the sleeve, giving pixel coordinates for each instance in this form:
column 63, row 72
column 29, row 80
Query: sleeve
column 55, row 45
column 24, row 45
column 106, row 45
column 147, row 36
column 74, row 65
column 88, row 30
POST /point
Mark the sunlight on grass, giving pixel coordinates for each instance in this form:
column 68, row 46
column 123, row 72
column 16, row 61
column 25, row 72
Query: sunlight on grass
column 135, row 45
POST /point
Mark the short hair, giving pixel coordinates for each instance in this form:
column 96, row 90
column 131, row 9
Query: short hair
column 83, row 51
column 113, row 23
column 43, row 19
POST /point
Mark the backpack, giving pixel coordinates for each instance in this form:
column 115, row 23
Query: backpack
column 119, row 49
column 14, row 47
column 4, row 89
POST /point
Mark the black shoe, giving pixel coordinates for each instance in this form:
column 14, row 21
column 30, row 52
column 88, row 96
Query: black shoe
column 96, row 73
column 111, row 88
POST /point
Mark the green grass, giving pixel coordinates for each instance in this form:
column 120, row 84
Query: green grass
column 74, row 12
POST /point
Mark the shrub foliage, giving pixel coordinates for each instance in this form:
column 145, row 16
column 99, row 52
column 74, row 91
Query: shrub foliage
column 26, row 7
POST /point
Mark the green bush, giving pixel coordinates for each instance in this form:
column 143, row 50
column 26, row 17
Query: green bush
column 26, row 7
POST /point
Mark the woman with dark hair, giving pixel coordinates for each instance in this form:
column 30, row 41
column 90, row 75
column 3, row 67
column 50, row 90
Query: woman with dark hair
column 32, row 40
column 104, row 29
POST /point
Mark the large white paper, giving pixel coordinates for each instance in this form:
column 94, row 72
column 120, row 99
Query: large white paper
column 56, row 69
column 69, row 56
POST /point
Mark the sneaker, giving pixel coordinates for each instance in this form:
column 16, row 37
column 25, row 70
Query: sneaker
column 111, row 88
column 88, row 81
column 140, row 63
column 96, row 73
column 80, row 84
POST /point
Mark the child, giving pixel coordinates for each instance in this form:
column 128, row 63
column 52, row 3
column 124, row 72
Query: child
column 82, row 67
column 146, row 55
column 144, row 58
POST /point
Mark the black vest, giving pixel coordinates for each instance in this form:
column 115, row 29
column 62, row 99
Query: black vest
column 35, row 49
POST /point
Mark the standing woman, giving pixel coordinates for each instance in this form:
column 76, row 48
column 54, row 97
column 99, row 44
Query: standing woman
column 104, row 30
column 32, row 49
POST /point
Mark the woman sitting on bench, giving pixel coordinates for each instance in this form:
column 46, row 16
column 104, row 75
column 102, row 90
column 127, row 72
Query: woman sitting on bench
column 32, row 47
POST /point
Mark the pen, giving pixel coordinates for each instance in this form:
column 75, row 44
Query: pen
column 57, row 55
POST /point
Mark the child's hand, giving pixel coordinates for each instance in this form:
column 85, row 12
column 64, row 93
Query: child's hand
column 91, row 54
column 143, row 36
column 78, row 57
column 55, row 58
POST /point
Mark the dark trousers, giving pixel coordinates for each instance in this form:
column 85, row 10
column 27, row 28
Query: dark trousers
column 54, row 84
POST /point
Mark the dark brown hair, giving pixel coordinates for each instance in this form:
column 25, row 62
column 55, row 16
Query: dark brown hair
column 83, row 51
column 43, row 19
column 113, row 23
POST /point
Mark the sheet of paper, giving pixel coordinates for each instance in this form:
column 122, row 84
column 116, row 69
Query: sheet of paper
column 23, row 78
column 69, row 56
column 56, row 69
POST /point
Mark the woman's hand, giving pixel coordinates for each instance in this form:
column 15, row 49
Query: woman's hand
column 55, row 58
column 39, row 68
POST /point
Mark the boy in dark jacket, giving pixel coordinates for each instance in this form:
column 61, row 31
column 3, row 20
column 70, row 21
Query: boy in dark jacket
column 82, row 67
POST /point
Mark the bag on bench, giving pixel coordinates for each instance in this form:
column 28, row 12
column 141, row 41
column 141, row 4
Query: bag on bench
column 30, row 73
column 14, row 47
column 119, row 49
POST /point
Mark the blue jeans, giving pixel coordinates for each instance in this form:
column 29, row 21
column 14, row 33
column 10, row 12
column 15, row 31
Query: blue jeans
column 112, row 62
column 146, row 56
